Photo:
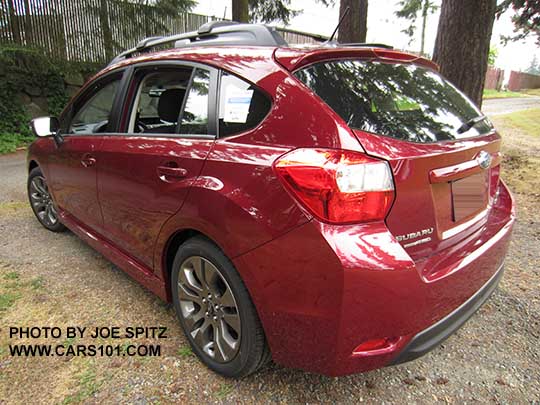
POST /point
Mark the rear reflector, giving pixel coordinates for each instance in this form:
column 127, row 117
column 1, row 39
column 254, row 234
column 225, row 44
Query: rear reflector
column 377, row 346
column 338, row 186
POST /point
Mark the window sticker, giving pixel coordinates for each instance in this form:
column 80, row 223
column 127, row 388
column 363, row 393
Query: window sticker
column 237, row 102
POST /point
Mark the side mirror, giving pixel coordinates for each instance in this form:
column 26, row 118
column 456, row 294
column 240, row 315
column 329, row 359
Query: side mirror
column 45, row 126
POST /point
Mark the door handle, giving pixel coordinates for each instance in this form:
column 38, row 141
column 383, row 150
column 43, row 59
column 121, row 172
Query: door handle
column 167, row 173
column 88, row 161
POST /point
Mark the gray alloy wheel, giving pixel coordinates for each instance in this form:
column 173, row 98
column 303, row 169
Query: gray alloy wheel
column 209, row 310
column 42, row 202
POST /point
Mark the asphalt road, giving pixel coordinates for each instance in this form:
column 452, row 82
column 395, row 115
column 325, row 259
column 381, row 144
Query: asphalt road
column 13, row 177
column 498, row 106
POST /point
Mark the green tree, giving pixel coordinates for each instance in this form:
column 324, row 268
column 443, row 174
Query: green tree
column 526, row 18
column 170, row 7
column 410, row 10
column 492, row 56
column 266, row 11
column 149, row 24
column 534, row 67
column 271, row 11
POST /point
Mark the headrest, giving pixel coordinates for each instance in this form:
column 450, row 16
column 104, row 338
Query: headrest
column 170, row 103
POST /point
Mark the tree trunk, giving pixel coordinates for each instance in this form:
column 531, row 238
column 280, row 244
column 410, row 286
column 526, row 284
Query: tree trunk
column 240, row 11
column 425, row 8
column 462, row 44
column 354, row 26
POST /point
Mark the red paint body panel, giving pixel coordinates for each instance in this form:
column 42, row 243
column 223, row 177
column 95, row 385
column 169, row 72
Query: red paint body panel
column 74, row 185
column 123, row 260
column 422, row 203
column 328, row 288
column 320, row 290
column 135, row 200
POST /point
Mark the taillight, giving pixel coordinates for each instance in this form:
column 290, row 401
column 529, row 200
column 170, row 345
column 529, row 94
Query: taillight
column 338, row 186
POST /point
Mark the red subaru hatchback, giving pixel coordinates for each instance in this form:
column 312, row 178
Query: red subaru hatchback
column 334, row 208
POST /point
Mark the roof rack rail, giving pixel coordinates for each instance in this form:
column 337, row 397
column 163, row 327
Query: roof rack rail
column 212, row 33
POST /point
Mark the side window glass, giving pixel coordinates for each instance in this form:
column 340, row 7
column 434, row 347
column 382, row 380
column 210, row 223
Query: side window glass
column 158, row 100
column 93, row 115
column 241, row 106
column 195, row 115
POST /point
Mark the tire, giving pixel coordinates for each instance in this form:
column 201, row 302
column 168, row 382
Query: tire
column 223, row 328
column 41, row 201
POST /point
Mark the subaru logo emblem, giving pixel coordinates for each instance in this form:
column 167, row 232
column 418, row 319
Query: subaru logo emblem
column 484, row 159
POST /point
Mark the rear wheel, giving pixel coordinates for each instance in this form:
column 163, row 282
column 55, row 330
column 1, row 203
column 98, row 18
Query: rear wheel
column 215, row 310
column 41, row 201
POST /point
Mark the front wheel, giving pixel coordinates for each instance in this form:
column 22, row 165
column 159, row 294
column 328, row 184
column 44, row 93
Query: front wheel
column 215, row 310
column 41, row 201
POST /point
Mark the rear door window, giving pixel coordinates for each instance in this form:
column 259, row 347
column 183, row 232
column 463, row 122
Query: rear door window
column 403, row 101
column 159, row 99
column 241, row 106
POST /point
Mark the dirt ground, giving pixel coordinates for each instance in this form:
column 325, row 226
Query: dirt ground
column 51, row 279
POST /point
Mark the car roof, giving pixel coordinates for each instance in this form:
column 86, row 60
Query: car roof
column 252, row 50
column 256, row 62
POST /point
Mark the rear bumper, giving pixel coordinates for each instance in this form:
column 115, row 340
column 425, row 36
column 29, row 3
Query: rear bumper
column 433, row 336
column 322, row 290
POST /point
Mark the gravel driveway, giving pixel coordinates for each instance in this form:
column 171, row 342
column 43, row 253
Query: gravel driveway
column 55, row 279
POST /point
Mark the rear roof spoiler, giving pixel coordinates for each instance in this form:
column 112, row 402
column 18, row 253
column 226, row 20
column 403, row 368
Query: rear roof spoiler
column 295, row 58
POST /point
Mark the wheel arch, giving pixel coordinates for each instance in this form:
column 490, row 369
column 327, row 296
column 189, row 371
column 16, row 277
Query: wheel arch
column 171, row 247
column 32, row 164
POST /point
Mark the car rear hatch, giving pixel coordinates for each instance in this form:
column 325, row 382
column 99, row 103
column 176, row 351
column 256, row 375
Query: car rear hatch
column 444, row 155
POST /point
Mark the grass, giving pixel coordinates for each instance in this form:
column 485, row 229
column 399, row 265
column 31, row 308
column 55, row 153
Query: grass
column 69, row 342
column 12, row 288
column 37, row 283
column 88, row 385
column 527, row 121
column 224, row 390
column 10, row 207
column 532, row 92
column 490, row 93
column 10, row 142
column 12, row 275
column 8, row 299
column 521, row 141
column 185, row 351
column 9, row 292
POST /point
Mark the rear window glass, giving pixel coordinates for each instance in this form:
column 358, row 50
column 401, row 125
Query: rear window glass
column 241, row 106
column 402, row 101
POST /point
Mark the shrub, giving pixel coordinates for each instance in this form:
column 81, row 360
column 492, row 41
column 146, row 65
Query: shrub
column 30, row 71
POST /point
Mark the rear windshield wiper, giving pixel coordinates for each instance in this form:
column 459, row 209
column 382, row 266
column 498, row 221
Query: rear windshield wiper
column 471, row 123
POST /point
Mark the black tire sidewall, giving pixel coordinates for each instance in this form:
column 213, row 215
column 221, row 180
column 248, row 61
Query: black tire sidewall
column 201, row 247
